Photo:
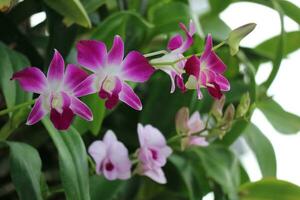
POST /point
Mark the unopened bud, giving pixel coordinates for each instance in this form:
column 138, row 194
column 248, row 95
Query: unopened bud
column 244, row 105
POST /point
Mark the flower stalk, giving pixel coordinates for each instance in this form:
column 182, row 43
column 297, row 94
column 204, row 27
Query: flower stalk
column 16, row 107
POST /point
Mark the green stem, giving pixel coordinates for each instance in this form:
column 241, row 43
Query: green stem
column 8, row 110
column 155, row 53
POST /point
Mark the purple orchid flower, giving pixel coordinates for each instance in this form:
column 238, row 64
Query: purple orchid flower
column 111, row 72
column 59, row 92
column 111, row 157
column 207, row 71
column 177, row 46
column 153, row 153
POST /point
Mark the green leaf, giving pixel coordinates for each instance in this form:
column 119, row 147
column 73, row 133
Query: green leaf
column 262, row 149
column 291, row 44
column 92, row 5
column 6, row 70
column 98, row 109
column 25, row 167
column 222, row 166
column 167, row 16
column 269, row 189
column 282, row 121
column 101, row 187
column 72, row 10
column 72, row 161
column 116, row 24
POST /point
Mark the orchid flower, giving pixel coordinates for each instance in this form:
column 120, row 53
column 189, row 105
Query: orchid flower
column 153, row 153
column 176, row 46
column 207, row 71
column 189, row 126
column 110, row 71
column 111, row 157
column 59, row 92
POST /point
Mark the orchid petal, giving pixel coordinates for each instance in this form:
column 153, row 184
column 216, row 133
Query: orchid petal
column 87, row 86
column 222, row 82
column 198, row 141
column 37, row 113
column 81, row 109
column 214, row 90
column 73, row 77
column 207, row 49
column 98, row 151
column 195, row 123
column 151, row 136
column 128, row 96
column 61, row 121
column 189, row 37
column 109, row 138
column 31, row 79
column 136, row 67
column 192, row 66
column 157, row 175
column 91, row 54
column 175, row 42
column 56, row 70
column 116, row 54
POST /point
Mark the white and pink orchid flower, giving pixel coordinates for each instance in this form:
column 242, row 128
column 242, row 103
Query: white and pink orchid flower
column 110, row 71
column 207, row 71
column 189, row 126
column 153, row 153
column 111, row 157
column 59, row 92
column 177, row 46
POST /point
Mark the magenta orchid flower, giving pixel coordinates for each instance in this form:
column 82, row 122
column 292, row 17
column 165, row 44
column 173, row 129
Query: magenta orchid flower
column 110, row 71
column 153, row 153
column 59, row 92
column 207, row 71
column 177, row 46
column 111, row 157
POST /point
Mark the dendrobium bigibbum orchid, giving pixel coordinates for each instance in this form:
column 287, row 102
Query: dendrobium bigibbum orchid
column 189, row 126
column 207, row 71
column 110, row 71
column 176, row 46
column 153, row 153
column 59, row 92
column 111, row 157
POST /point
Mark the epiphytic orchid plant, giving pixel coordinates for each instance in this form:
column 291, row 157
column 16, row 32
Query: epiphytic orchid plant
column 103, row 95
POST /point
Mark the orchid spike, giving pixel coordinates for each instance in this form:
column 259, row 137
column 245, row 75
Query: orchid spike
column 110, row 71
column 153, row 153
column 59, row 92
column 177, row 46
column 207, row 71
column 111, row 157
column 188, row 126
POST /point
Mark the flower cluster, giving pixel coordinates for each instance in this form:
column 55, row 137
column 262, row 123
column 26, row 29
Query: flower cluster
column 110, row 73
column 112, row 159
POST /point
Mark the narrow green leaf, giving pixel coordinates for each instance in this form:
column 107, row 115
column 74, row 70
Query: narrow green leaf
column 222, row 166
column 72, row 10
column 72, row 161
column 282, row 121
column 269, row 189
column 291, row 44
column 6, row 70
column 92, row 5
column 262, row 149
column 25, row 167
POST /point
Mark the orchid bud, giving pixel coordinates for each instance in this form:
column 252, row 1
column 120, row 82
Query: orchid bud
column 244, row 105
column 228, row 117
column 6, row 5
column 181, row 119
column 217, row 108
column 237, row 35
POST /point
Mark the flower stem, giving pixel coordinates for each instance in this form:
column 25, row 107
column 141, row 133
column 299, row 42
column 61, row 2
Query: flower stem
column 155, row 53
column 19, row 106
column 183, row 58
